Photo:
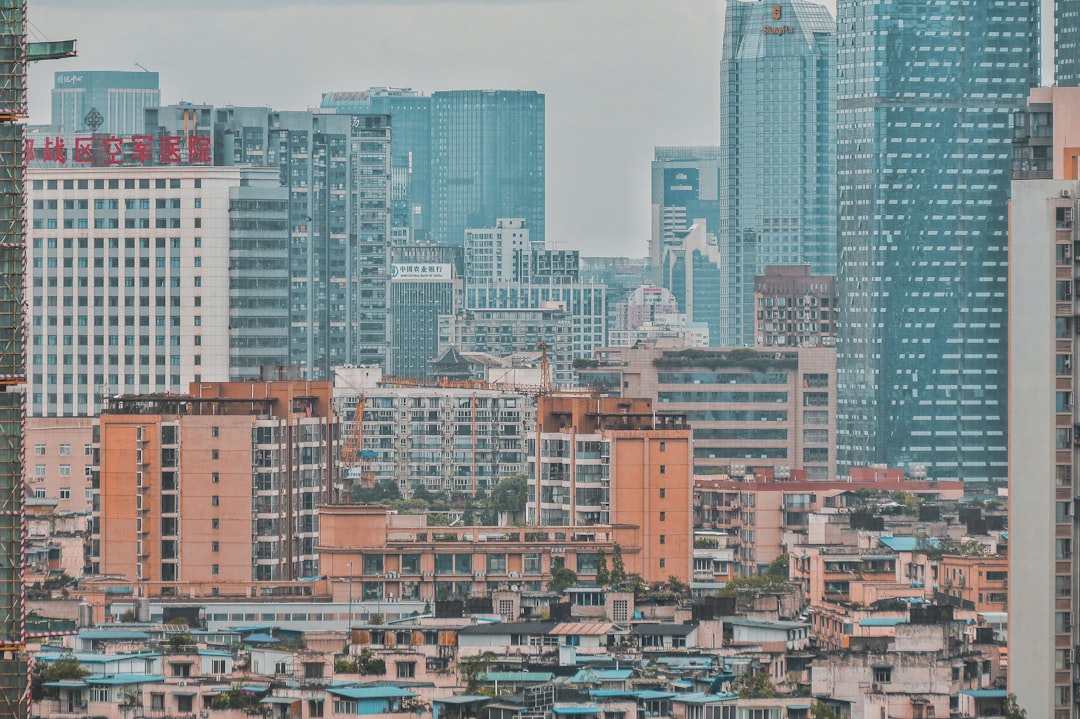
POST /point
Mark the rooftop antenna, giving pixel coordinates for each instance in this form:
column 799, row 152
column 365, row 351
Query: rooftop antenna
column 141, row 67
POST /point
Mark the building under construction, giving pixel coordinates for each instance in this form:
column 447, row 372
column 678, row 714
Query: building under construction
column 13, row 58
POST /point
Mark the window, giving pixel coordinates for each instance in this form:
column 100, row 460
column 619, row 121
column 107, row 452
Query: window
column 215, row 477
column 65, row 470
column 882, row 674
column 406, row 670
column 214, row 454
column 663, row 469
column 663, row 516
column 663, row 492
column 214, row 569
column 217, row 666
column 215, row 431
column 663, row 539
column 65, row 493
column 39, row 449
column 215, row 523
column 215, row 546
column 215, row 501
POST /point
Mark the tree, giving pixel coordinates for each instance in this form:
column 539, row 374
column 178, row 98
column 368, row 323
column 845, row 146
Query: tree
column 618, row 568
column 468, row 515
column 385, row 490
column 754, row 685
column 678, row 587
column 1011, row 709
column 603, row 576
column 66, row 667
column 778, row 568
column 511, row 494
column 561, row 579
column 821, row 710
column 471, row 668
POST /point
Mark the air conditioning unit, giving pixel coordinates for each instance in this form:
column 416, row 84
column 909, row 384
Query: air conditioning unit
column 1066, row 193
column 875, row 687
column 515, row 575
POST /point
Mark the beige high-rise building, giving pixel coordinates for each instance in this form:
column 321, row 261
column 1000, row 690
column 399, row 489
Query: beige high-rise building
column 1044, row 450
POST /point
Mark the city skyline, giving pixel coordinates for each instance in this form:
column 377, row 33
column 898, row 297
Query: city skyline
column 606, row 101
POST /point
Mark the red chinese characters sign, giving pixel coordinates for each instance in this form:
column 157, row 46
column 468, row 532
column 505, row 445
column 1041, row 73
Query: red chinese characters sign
column 108, row 150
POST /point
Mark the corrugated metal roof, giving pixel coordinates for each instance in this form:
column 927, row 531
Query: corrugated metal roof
column 581, row 629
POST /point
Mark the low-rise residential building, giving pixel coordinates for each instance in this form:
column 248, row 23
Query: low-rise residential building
column 794, row 308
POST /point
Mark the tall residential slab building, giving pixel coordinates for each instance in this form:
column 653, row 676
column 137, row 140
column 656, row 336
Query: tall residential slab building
column 1044, row 454
column 336, row 170
column 103, row 101
column 487, row 161
column 143, row 279
column 214, row 492
column 410, row 153
column 778, row 149
column 925, row 97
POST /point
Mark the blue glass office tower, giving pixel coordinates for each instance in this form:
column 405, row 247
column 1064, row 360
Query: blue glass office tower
column 487, row 161
column 1067, row 43
column 685, row 188
column 778, row 171
column 926, row 91
column 103, row 101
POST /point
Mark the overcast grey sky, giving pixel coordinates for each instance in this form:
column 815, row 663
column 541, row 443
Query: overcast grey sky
column 620, row 76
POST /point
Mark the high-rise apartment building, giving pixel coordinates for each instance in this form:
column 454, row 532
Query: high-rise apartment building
column 1044, row 450
column 144, row 279
column 336, row 170
column 441, row 438
column 778, row 149
column 410, row 152
column 685, row 188
column 1067, row 43
column 493, row 254
column 600, row 460
column 487, row 161
column 213, row 492
column 925, row 97
column 103, row 101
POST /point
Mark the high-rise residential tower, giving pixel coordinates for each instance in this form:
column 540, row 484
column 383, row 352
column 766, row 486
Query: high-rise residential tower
column 336, row 170
column 778, row 172
column 410, row 152
column 1043, row 419
column 487, row 155
column 103, row 100
column 925, row 96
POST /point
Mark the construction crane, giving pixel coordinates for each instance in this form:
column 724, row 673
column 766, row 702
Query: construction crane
column 15, row 52
column 353, row 456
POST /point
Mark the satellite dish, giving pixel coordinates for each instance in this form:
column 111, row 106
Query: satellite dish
column 515, row 588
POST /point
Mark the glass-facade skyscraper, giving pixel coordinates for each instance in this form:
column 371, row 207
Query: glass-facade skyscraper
column 1067, row 43
column 103, row 101
column 685, row 188
column 487, row 160
column 778, row 171
column 926, row 91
